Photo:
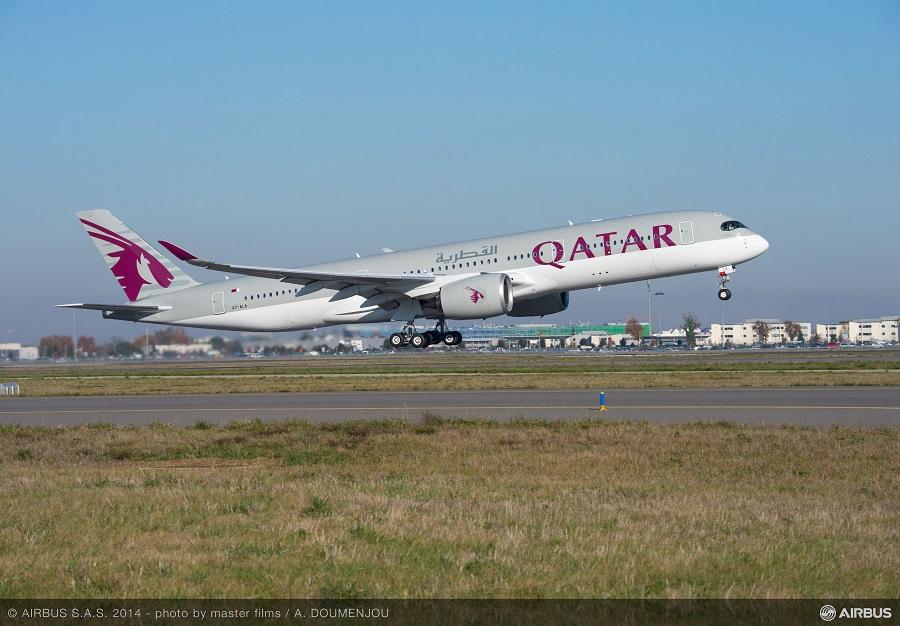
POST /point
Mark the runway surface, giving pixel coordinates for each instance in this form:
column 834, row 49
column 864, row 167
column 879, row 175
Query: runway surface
column 806, row 406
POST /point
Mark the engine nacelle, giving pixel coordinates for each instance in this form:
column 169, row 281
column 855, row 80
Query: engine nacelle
column 478, row 297
column 542, row 305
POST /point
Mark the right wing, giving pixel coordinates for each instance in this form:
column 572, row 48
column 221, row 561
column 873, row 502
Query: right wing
column 303, row 277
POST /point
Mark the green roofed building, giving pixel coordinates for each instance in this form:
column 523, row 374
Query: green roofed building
column 549, row 335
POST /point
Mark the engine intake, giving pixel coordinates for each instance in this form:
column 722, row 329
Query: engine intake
column 478, row 297
column 542, row 305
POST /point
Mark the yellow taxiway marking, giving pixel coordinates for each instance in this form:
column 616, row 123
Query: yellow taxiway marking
column 455, row 408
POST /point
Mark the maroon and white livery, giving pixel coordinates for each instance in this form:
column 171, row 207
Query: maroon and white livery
column 522, row 275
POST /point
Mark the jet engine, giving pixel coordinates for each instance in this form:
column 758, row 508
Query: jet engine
column 478, row 297
column 542, row 305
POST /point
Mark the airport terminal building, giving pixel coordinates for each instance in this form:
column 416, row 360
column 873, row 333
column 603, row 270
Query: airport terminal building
column 882, row 330
column 17, row 352
column 864, row 331
column 743, row 334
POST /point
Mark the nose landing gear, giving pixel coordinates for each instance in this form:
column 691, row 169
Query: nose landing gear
column 410, row 336
column 724, row 291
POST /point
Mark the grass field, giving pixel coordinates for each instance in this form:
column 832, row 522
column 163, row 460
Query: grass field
column 449, row 509
column 414, row 372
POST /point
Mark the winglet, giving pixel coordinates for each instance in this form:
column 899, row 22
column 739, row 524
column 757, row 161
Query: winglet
column 180, row 253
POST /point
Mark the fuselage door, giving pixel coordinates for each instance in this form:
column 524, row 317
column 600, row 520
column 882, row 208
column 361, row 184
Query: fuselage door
column 218, row 302
column 686, row 232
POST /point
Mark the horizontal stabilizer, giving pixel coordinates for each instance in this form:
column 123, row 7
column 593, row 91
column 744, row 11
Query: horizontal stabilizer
column 118, row 308
column 300, row 276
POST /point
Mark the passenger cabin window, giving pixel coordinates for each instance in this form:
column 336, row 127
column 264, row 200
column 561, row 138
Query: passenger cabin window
column 731, row 225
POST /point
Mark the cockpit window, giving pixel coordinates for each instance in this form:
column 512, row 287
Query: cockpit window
column 732, row 225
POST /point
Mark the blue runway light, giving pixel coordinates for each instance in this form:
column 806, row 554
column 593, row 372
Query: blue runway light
column 602, row 400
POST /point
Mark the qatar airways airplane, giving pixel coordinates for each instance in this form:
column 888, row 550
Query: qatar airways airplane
column 522, row 275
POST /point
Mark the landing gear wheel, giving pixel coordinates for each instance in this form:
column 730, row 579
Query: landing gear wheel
column 397, row 340
column 433, row 336
column 453, row 338
column 724, row 278
column 419, row 341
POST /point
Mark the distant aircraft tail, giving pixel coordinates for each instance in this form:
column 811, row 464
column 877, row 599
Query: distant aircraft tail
column 141, row 269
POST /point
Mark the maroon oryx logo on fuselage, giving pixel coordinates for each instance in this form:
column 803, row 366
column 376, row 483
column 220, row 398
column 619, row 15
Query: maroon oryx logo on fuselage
column 476, row 295
column 134, row 266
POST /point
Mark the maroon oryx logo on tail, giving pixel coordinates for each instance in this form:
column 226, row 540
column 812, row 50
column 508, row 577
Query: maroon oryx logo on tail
column 476, row 295
column 134, row 266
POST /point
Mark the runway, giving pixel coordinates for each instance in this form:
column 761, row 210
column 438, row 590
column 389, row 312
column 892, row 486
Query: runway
column 802, row 406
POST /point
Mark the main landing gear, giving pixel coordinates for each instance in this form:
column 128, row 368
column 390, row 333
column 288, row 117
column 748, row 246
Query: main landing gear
column 725, row 292
column 409, row 336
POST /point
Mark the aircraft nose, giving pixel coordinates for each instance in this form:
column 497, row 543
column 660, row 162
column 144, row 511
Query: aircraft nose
column 762, row 243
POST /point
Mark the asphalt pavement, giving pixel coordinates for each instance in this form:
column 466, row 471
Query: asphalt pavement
column 803, row 406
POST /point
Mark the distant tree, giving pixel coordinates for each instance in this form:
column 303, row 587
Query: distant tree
column 792, row 330
column 814, row 339
column 788, row 330
column 142, row 344
column 120, row 347
column 690, row 324
column 235, row 347
column 86, row 346
column 523, row 343
column 56, row 346
column 218, row 343
column 343, row 348
column 761, row 329
column 502, row 343
column 585, row 341
column 610, row 342
column 800, row 337
column 171, row 335
column 634, row 328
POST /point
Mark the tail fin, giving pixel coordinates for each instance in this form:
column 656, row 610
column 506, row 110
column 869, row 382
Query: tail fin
column 139, row 267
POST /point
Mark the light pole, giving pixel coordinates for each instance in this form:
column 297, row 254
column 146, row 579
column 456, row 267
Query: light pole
column 659, row 310
column 74, row 339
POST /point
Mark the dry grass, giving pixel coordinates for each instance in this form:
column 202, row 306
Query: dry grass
column 459, row 509
column 451, row 371
column 165, row 385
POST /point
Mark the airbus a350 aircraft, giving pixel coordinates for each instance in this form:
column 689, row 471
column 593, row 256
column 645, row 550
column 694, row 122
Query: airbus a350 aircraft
column 522, row 275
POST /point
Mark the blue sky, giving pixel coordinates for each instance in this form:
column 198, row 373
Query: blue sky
column 291, row 133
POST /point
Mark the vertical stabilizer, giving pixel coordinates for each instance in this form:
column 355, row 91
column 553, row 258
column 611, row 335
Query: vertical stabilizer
column 140, row 269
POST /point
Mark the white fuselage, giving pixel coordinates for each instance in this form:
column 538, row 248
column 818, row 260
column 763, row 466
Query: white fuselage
column 537, row 263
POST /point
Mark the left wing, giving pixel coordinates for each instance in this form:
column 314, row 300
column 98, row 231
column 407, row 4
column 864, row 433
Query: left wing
column 130, row 312
column 303, row 277
column 117, row 308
